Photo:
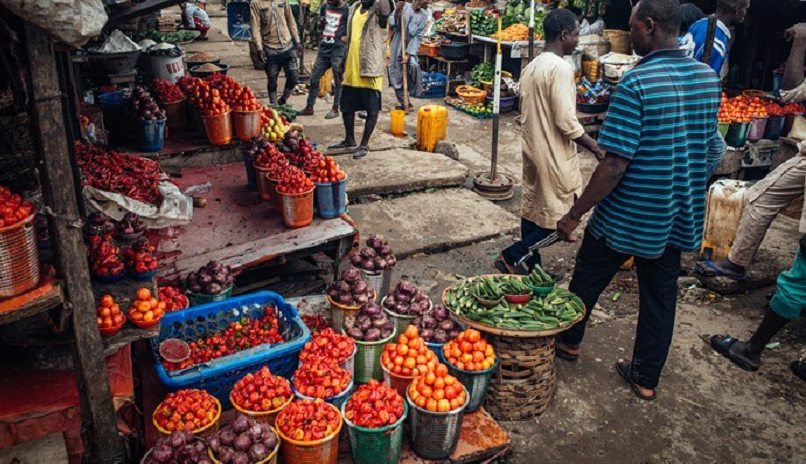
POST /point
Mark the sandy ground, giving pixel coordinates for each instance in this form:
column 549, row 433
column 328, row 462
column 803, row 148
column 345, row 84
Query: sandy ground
column 707, row 410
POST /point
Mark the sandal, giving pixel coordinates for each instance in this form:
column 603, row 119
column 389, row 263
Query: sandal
column 361, row 152
column 724, row 345
column 709, row 269
column 563, row 351
column 502, row 265
column 623, row 368
column 341, row 148
column 799, row 369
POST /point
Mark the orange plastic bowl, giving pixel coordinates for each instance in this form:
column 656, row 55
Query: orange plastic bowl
column 142, row 324
column 109, row 331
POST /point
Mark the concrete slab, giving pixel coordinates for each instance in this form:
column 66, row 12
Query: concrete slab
column 399, row 170
column 48, row 449
column 434, row 222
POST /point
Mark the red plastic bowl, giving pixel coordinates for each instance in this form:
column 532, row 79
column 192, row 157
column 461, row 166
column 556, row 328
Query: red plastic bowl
column 142, row 324
column 518, row 299
column 109, row 331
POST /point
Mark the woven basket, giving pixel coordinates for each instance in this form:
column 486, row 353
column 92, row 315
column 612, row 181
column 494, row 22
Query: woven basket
column 523, row 385
column 268, row 417
column 367, row 362
column 324, row 451
column 475, row 382
column 471, row 95
column 398, row 382
column 376, row 446
column 19, row 258
column 205, row 432
column 434, row 435
column 619, row 41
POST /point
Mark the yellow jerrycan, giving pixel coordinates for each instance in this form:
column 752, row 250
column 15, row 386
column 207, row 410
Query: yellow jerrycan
column 725, row 204
column 432, row 122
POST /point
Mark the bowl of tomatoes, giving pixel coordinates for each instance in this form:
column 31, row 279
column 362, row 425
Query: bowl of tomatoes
column 472, row 361
column 191, row 410
column 309, row 431
column 110, row 319
column 146, row 311
column 261, row 396
column 374, row 415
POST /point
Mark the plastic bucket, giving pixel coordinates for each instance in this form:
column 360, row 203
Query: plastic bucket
column 380, row 282
column 176, row 113
column 267, row 189
column 475, row 383
column 398, row 382
column 218, row 128
column 434, row 435
column 367, row 363
column 723, row 128
column 169, row 68
column 775, row 125
column 151, row 137
column 397, row 122
column 331, row 198
column 757, row 128
column 268, row 417
column 276, row 200
column 382, row 445
column 324, row 451
column 113, row 106
column 197, row 299
column 247, row 124
column 737, row 134
column 339, row 312
column 297, row 208
column 249, row 164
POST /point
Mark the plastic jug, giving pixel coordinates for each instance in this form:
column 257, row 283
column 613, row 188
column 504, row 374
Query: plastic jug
column 726, row 202
column 432, row 122
column 397, row 122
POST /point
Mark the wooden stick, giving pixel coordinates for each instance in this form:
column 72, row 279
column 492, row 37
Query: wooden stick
column 405, row 65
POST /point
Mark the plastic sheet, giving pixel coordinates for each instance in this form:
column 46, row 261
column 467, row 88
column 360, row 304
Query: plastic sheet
column 73, row 22
column 176, row 209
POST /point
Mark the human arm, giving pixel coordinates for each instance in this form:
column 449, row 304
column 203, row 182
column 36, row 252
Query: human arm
column 188, row 16
column 291, row 22
column 254, row 21
column 322, row 17
column 793, row 75
column 716, row 151
column 415, row 30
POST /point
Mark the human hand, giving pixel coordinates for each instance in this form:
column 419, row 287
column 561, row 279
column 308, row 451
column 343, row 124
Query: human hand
column 399, row 5
column 566, row 227
column 404, row 59
column 796, row 32
column 599, row 154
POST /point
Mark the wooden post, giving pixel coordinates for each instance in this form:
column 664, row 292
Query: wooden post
column 59, row 191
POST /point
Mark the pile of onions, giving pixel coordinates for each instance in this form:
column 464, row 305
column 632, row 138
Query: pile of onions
column 211, row 279
column 243, row 442
column 350, row 290
column 131, row 224
column 436, row 326
column 407, row 300
column 370, row 325
column 99, row 224
column 376, row 257
column 181, row 448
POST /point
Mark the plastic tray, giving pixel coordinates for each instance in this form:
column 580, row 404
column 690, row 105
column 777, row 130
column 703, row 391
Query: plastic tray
column 219, row 375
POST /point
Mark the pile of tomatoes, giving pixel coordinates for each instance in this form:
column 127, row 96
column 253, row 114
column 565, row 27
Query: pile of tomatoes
column 261, row 391
column 469, row 352
column 327, row 171
column 374, row 405
column 316, row 323
column 166, row 91
column 13, row 208
column 329, row 345
column 139, row 257
column 321, row 378
column 306, row 420
column 109, row 314
column 104, row 255
column 173, row 298
column 269, row 157
column 246, row 101
column 213, row 105
column 186, row 410
column 741, row 109
column 238, row 336
column 293, row 180
column 145, row 308
column 409, row 357
column 437, row 391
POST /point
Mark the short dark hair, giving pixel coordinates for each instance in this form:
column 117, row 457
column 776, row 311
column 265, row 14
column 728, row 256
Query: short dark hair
column 727, row 6
column 557, row 22
column 689, row 14
column 666, row 14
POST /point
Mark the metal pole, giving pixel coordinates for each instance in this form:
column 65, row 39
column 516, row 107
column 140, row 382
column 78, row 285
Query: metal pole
column 532, row 31
column 496, row 103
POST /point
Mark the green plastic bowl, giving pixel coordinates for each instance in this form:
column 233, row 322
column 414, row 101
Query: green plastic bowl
column 543, row 290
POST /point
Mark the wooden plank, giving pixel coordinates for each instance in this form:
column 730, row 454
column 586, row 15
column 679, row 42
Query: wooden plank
column 128, row 335
column 58, row 186
column 44, row 302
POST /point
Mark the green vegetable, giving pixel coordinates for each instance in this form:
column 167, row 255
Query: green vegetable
column 539, row 278
column 482, row 72
column 285, row 110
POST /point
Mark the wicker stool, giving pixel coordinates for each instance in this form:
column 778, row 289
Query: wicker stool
column 524, row 384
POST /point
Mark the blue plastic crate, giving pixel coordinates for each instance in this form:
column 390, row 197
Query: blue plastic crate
column 218, row 376
column 435, row 85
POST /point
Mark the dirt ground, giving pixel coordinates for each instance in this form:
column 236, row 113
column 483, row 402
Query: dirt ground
column 707, row 409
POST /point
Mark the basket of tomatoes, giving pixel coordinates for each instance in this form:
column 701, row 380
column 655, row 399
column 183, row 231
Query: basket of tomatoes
column 140, row 259
column 406, row 360
column 191, row 410
column 261, row 396
column 331, row 188
column 19, row 254
column 322, row 379
column 309, row 432
column 471, row 360
column 437, row 403
column 374, row 416
column 329, row 344
column 296, row 198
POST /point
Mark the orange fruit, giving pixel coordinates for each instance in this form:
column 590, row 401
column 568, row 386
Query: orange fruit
column 143, row 294
column 148, row 316
column 136, row 316
column 107, row 301
column 411, row 332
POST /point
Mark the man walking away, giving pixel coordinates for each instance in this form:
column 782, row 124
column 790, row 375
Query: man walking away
column 333, row 17
column 550, row 134
column 415, row 17
column 649, row 191
column 274, row 33
column 195, row 18
column 713, row 48
column 363, row 74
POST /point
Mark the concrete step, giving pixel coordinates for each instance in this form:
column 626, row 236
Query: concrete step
column 434, row 222
column 401, row 170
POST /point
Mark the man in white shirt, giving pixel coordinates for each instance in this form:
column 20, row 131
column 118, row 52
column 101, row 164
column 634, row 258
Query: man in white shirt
column 195, row 18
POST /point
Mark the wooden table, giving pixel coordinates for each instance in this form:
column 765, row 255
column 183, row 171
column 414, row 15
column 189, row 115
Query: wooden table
column 240, row 230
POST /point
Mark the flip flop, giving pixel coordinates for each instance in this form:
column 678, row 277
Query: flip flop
column 623, row 368
column 722, row 344
column 708, row 269
column 361, row 152
column 341, row 148
column 561, row 351
column 502, row 265
column 799, row 369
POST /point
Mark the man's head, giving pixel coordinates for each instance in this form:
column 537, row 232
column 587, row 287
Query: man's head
column 561, row 26
column 732, row 12
column 367, row 3
column 418, row 5
column 689, row 14
column 653, row 24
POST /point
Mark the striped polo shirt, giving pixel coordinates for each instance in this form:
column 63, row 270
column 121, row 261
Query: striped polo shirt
column 662, row 117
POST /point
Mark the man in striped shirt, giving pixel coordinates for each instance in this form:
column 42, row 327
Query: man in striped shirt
column 649, row 191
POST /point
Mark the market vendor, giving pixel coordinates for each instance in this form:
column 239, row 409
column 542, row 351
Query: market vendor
column 275, row 37
column 550, row 134
column 787, row 304
column 782, row 187
column 711, row 37
column 661, row 125
column 194, row 17
column 415, row 16
column 364, row 69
